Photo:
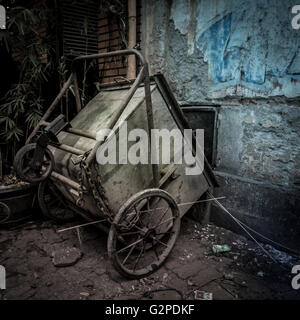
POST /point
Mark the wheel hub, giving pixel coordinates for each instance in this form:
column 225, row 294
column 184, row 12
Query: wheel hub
column 150, row 234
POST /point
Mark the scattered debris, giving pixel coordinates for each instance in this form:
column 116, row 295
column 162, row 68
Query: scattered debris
column 203, row 295
column 66, row 257
column 260, row 273
column 190, row 283
column 84, row 294
column 11, row 179
column 164, row 279
column 220, row 248
column 228, row 276
column 280, row 256
column 25, row 253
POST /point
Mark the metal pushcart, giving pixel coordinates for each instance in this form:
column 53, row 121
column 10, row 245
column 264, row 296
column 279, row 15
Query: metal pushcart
column 137, row 204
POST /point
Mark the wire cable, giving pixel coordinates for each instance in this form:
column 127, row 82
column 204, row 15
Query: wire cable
column 243, row 228
column 263, row 236
column 292, row 251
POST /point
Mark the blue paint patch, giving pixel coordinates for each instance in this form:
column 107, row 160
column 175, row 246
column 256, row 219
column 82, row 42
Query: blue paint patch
column 222, row 65
column 180, row 14
column 248, row 41
column 294, row 67
column 253, row 71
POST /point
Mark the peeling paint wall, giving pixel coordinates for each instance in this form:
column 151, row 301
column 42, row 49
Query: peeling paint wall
column 250, row 47
column 244, row 56
column 251, row 44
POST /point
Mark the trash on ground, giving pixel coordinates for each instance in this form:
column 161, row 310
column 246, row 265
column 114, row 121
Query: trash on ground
column 228, row 276
column 165, row 279
column 84, row 294
column 203, row 295
column 260, row 274
column 190, row 283
column 220, row 248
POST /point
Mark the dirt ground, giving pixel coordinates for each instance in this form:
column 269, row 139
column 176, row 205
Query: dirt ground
column 243, row 273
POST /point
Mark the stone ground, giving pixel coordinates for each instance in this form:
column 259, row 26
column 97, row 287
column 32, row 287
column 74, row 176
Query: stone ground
column 243, row 273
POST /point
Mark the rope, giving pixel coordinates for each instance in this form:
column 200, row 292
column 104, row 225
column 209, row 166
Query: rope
column 81, row 225
column 242, row 225
column 246, row 231
column 270, row 240
column 98, row 221
column 184, row 204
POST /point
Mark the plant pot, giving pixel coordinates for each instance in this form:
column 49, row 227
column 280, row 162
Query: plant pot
column 20, row 199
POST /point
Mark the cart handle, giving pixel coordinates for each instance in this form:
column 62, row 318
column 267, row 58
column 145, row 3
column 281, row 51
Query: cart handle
column 142, row 76
column 126, row 52
column 73, row 79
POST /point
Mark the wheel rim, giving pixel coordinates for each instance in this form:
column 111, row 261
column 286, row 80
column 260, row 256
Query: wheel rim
column 24, row 165
column 147, row 228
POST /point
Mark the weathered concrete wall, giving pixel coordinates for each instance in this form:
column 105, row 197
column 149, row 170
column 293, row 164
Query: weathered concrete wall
column 260, row 141
column 237, row 47
column 245, row 57
column 269, row 209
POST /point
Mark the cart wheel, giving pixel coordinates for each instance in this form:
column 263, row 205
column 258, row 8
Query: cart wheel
column 52, row 204
column 4, row 212
column 23, row 164
column 144, row 233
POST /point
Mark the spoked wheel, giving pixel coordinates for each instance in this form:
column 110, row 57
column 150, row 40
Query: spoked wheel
column 4, row 212
column 144, row 233
column 52, row 203
column 27, row 170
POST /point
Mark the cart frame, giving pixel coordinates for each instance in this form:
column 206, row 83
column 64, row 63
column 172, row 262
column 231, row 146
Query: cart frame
column 140, row 199
column 142, row 77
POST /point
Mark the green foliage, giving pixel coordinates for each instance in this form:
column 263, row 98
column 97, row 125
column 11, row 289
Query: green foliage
column 28, row 40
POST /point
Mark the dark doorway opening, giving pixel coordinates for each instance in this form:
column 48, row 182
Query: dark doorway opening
column 204, row 117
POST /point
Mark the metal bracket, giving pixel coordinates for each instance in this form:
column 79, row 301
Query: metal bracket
column 81, row 158
column 48, row 136
column 55, row 127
